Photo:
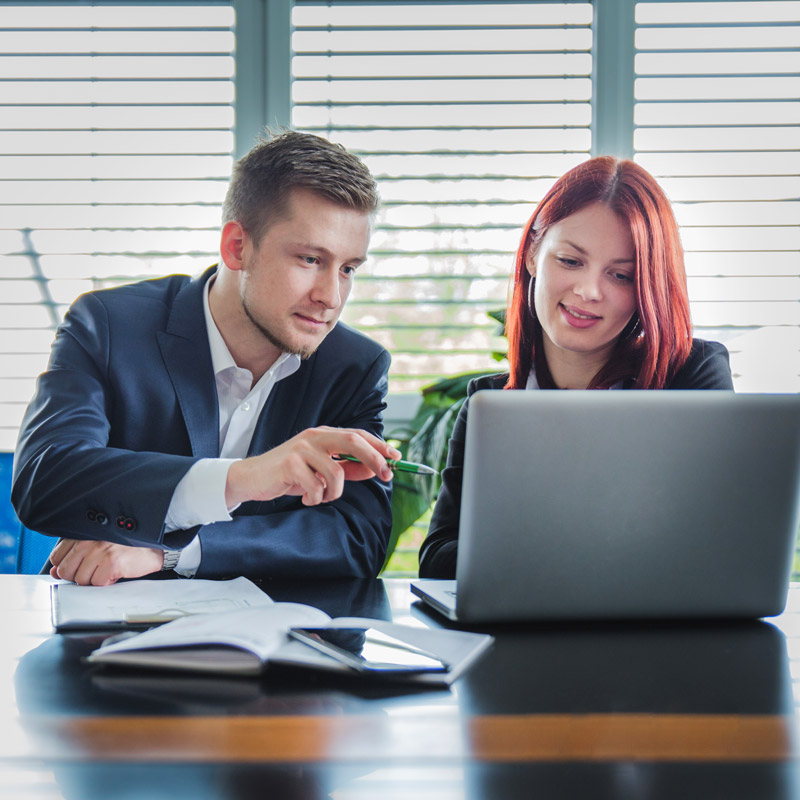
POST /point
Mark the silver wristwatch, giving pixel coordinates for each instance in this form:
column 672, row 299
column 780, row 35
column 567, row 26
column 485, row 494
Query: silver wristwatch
column 170, row 559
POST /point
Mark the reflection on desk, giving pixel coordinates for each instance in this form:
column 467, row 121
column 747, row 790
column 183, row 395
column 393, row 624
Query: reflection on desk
column 614, row 711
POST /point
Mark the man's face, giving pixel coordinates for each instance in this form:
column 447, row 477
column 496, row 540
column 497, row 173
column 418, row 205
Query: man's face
column 295, row 283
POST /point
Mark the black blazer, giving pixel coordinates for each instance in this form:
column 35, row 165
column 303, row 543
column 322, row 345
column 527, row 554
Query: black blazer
column 128, row 404
column 707, row 367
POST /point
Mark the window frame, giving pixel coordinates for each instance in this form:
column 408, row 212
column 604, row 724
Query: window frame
column 263, row 97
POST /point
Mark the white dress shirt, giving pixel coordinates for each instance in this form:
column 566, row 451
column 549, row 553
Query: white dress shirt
column 199, row 497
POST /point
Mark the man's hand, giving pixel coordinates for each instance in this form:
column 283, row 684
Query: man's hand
column 90, row 563
column 305, row 466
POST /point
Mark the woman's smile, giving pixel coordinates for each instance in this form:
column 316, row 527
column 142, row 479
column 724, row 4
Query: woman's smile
column 577, row 317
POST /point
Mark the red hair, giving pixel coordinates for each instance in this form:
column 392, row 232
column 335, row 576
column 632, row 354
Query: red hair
column 657, row 341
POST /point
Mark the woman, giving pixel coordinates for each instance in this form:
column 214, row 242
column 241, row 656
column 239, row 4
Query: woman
column 599, row 302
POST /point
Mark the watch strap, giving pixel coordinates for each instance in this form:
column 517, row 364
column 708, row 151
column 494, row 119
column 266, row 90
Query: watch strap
column 171, row 558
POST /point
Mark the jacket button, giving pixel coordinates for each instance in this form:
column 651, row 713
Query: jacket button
column 130, row 524
column 91, row 515
column 101, row 518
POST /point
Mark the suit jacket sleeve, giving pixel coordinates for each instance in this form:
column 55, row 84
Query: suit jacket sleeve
column 75, row 475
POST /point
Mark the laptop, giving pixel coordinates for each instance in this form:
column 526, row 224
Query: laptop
column 624, row 505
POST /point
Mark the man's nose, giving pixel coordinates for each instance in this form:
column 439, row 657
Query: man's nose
column 326, row 289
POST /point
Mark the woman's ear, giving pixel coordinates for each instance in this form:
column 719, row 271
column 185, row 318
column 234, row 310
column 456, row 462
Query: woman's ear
column 530, row 263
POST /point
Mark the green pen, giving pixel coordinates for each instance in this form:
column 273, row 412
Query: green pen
column 403, row 466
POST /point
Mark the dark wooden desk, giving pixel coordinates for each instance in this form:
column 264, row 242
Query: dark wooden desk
column 620, row 711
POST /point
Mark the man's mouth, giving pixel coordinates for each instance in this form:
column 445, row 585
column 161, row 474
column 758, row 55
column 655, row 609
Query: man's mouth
column 312, row 320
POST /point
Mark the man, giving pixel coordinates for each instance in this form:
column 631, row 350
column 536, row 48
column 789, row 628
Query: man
column 195, row 425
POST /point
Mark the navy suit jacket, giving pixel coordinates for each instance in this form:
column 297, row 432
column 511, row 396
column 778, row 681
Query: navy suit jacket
column 128, row 404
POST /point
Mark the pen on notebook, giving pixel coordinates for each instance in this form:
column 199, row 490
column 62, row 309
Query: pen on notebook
column 403, row 466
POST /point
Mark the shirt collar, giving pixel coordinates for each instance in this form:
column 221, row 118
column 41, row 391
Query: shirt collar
column 221, row 358
column 533, row 381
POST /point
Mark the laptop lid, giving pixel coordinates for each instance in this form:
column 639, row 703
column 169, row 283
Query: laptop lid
column 623, row 504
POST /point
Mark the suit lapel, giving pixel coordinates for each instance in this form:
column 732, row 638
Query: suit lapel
column 278, row 419
column 184, row 348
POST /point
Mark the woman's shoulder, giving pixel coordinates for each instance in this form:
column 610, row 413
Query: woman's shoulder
column 496, row 381
column 704, row 348
column 704, row 351
column 707, row 367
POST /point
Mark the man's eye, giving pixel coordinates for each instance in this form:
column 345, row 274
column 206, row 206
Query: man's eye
column 309, row 259
column 349, row 271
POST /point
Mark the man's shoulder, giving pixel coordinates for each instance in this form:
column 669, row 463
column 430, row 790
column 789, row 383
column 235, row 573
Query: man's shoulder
column 346, row 342
column 153, row 290
column 145, row 305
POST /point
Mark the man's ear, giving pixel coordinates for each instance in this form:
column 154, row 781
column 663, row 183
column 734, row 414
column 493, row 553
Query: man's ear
column 232, row 245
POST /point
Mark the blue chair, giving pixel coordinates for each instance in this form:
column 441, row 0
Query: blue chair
column 33, row 550
column 22, row 550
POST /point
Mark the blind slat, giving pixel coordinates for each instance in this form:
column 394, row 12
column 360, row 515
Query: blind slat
column 116, row 133
column 723, row 142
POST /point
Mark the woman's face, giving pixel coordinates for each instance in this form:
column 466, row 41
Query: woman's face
column 585, row 286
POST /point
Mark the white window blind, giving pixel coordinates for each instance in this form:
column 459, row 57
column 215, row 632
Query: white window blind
column 116, row 138
column 717, row 117
column 115, row 151
column 466, row 113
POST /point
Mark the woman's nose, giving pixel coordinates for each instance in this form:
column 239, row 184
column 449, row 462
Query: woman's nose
column 587, row 287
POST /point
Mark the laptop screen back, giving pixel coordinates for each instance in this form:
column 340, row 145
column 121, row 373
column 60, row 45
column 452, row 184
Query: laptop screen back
column 628, row 504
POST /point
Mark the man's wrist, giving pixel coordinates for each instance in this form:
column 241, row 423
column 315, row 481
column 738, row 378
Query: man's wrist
column 234, row 495
column 171, row 558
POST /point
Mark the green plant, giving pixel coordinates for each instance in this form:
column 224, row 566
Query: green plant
column 425, row 440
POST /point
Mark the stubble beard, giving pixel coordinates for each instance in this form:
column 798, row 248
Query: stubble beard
column 277, row 341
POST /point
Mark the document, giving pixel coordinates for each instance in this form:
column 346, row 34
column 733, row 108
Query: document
column 144, row 603
column 246, row 642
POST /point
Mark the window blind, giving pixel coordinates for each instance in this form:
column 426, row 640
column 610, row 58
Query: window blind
column 717, row 115
column 115, row 151
column 466, row 113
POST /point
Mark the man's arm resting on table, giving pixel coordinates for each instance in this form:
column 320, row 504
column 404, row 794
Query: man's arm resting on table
column 102, row 563
column 199, row 498
column 303, row 466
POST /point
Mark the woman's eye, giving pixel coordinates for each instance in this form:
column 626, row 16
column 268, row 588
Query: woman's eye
column 622, row 277
column 568, row 262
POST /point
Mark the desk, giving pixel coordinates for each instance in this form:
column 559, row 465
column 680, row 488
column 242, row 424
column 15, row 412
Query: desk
column 619, row 711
